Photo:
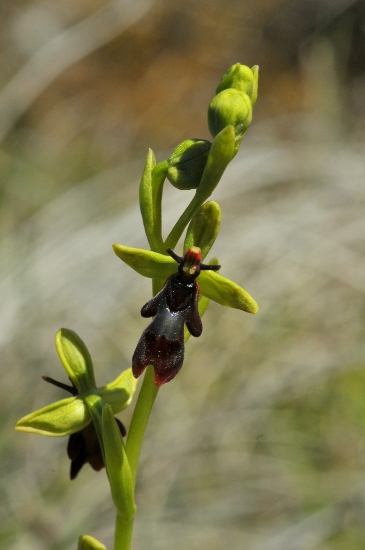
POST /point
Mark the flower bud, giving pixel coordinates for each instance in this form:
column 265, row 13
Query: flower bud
column 241, row 78
column 230, row 107
column 89, row 543
column 187, row 162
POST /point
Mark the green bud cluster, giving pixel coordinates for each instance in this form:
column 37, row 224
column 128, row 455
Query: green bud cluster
column 232, row 105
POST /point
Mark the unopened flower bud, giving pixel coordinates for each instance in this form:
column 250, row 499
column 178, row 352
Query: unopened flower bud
column 230, row 107
column 89, row 543
column 187, row 162
column 241, row 78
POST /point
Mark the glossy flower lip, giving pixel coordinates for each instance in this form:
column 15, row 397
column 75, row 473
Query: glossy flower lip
column 212, row 285
column 176, row 305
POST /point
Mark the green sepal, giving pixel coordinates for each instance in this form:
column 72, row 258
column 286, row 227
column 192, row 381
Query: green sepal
column 71, row 415
column 145, row 194
column 62, row 418
column 254, row 94
column 225, row 292
column 86, row 542
column 214, row 286
column 117, row 466
column 204, row 228
column 150, row 196
column 76, row 359
column 119, row 393
column 145, row 262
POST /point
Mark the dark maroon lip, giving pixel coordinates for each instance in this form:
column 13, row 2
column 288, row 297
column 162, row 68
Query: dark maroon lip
column 176, row 305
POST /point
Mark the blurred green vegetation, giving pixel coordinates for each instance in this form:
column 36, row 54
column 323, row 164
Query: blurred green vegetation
column 259, row 442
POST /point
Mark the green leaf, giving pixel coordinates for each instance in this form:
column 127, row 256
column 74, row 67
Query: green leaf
column 117, row 466
column 86, row 542
column 62, row 418
column 204, row 228
column 76, row 359
column 226, row 292
column 119, row 393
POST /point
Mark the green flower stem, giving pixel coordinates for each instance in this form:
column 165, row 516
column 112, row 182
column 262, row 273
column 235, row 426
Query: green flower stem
column 123, row 533
column 123, row 522
column 142, row 411
column 183, row 221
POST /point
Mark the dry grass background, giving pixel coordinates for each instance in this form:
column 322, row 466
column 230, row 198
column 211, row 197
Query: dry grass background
column 259, row 443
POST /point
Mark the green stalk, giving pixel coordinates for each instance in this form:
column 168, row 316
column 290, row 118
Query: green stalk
column 123, row 533
column 183, row 221
column 142, row 411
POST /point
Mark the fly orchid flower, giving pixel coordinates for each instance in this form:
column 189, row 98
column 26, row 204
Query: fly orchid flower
column 74, row 416
column 176, row 305
column 162, row 342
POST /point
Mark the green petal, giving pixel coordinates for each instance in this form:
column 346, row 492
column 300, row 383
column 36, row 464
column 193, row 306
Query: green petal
column 89, row 543
column 119, row 393
column 146, row 263
column 76, row 359
column 62, row 418
column 117, row 466
column 226, row 292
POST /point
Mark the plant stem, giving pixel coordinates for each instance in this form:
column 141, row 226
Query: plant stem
column 123, row 533
column 183, row 221
column 142, row 411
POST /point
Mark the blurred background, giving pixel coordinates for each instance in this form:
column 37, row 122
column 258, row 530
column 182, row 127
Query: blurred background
column 259, row 443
